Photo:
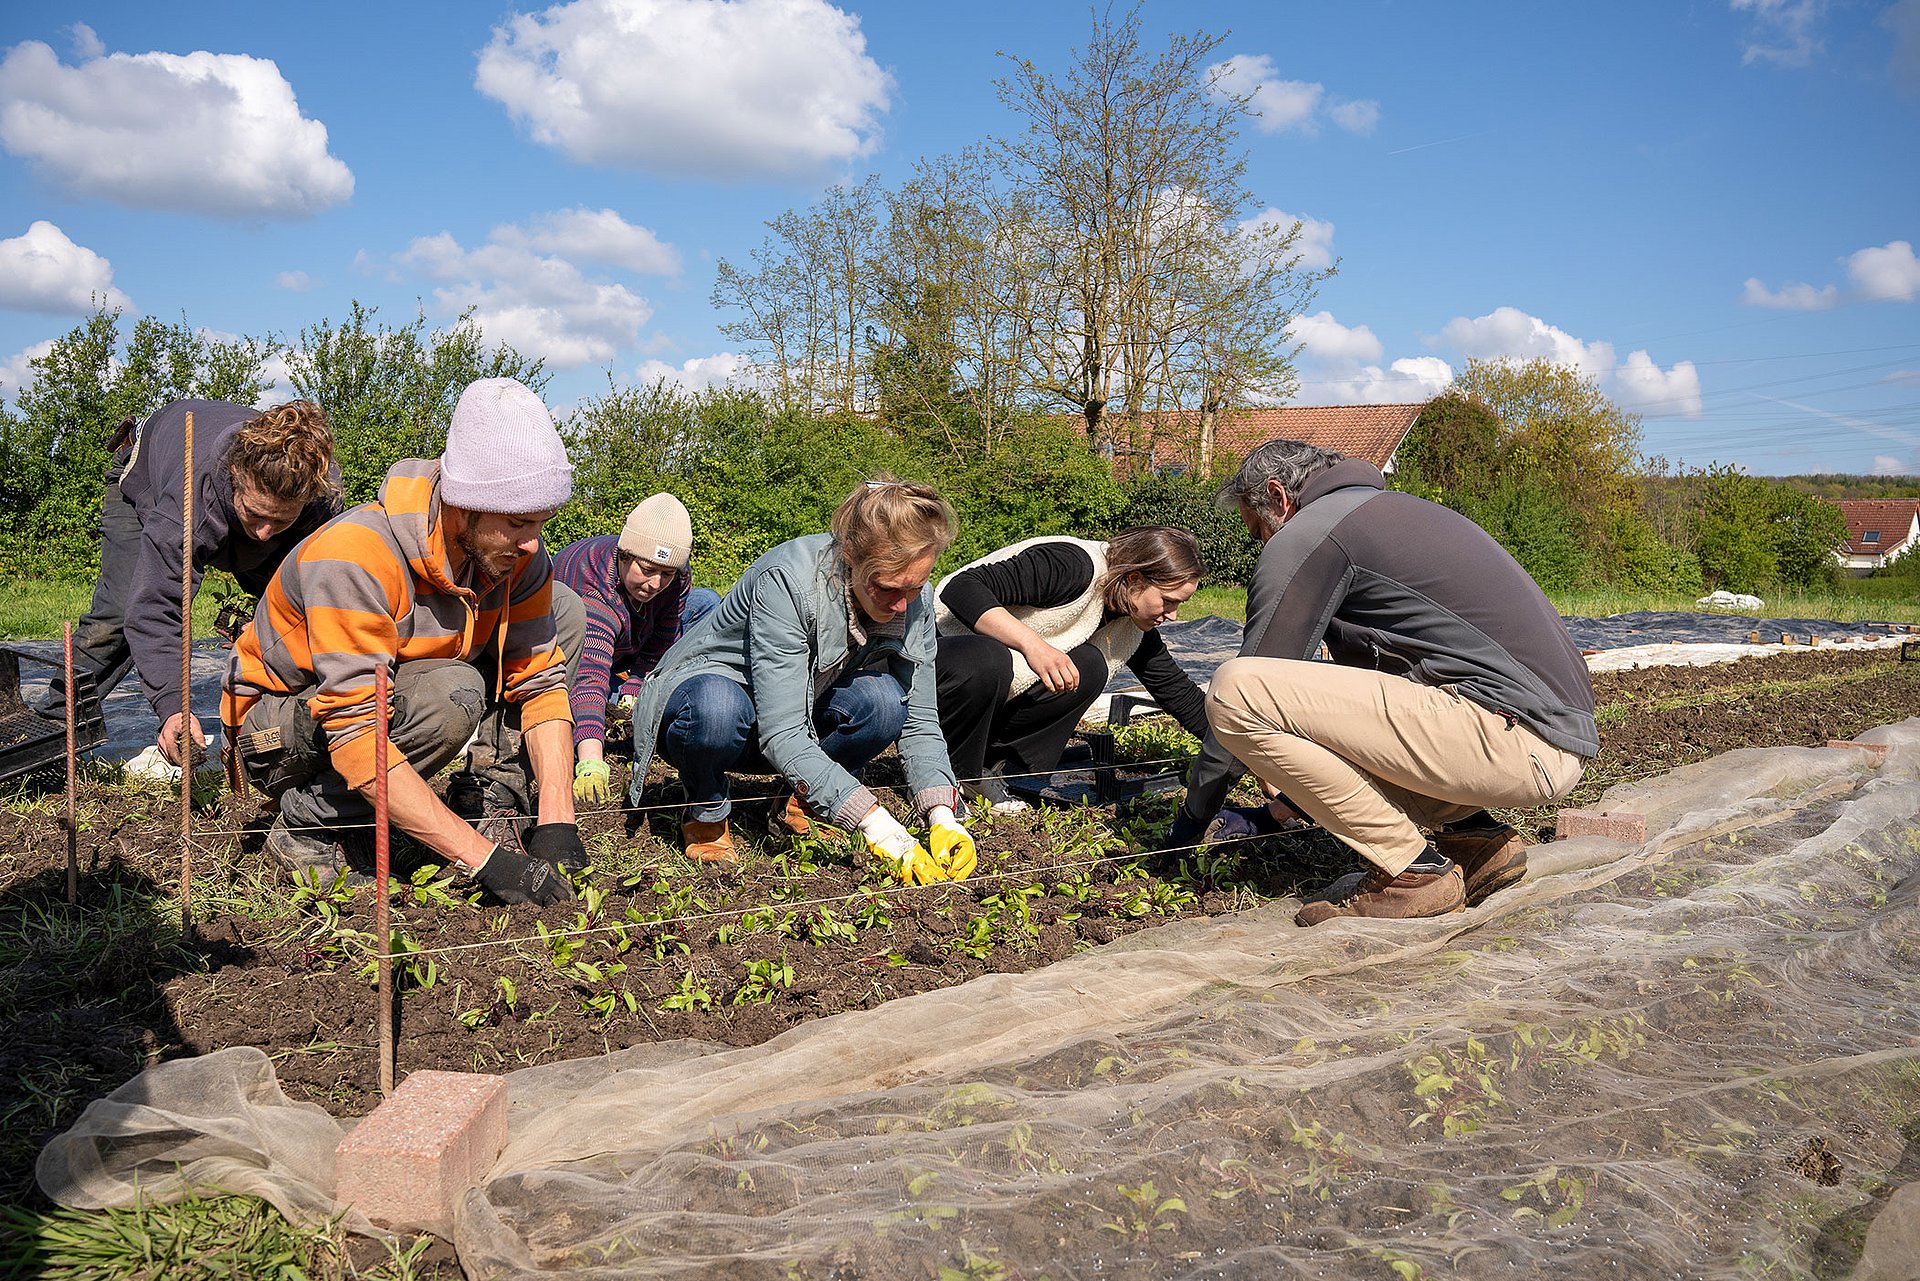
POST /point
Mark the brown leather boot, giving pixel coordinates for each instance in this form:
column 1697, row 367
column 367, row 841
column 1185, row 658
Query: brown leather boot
column 709, row 842
column 1413, row 893
column 790, row 819
column 1490, row 858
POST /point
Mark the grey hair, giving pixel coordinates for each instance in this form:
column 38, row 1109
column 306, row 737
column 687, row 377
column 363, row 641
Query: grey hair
column 1291, row 462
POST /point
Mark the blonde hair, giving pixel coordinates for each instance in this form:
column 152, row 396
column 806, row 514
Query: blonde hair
column 886, row 524
column 286, row 451
column 1163, row 555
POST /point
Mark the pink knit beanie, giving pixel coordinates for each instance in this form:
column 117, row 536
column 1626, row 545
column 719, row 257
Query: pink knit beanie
column 503, row 452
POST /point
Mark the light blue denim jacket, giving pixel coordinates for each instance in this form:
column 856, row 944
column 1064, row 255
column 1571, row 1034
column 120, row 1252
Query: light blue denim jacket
column 780, row 625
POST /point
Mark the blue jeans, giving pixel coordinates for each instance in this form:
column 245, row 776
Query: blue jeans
column 707, row 729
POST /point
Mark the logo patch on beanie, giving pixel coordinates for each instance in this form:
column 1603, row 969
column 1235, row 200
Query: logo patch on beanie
column 662, row 554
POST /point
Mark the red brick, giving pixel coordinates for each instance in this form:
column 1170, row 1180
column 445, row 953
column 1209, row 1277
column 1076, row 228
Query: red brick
column 1879, row 750
column 413, row 1157
column 1630, row 829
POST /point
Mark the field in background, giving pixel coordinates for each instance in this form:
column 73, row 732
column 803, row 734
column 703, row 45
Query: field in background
column 33, row 609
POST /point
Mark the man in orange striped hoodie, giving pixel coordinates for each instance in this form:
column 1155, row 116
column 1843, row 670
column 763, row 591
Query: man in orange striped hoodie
column 445, row 581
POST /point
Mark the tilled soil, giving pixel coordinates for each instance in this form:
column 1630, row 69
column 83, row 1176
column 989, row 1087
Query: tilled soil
column 661, row 949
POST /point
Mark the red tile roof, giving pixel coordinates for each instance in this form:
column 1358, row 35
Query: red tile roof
column 1890, row 518
column 1372, row 432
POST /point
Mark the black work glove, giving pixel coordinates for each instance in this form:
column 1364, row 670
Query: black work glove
column 558, row 843
column 1240, row 822
column 515, row 878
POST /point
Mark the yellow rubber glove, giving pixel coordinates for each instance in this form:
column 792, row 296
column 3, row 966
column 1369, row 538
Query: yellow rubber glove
column 906, row 858
column 951, row 843
column 590, row 785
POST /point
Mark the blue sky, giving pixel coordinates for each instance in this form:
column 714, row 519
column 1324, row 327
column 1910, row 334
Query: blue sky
column 1712, row 207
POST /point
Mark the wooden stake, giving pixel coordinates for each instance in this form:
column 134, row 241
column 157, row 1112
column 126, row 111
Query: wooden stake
column 382, row 933
column 186, row 685
column 73, row 767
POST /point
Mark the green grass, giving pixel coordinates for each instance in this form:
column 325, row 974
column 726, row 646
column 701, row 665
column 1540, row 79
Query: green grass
column 1863, row 600
column 226, row 1236
column 34, row 608
column 1849, row 603
column 1223, row 602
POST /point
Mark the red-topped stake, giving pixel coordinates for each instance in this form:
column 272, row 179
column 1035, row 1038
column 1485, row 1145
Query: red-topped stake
column 73, row 767
column 186, row 686
column 383, row 935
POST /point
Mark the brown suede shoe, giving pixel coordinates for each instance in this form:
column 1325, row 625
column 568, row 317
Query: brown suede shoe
column 1410, row 894
column 1490, row 858
column 708, row 842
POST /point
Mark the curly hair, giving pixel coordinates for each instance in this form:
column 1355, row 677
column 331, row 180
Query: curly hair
column 887, row 524
column 1162, row 555
column 285, row 451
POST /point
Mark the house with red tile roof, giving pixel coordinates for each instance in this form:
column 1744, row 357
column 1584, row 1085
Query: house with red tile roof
column 1373, row 432
column 1879, row 532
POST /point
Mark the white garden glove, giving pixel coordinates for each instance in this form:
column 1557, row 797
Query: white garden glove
column 906, row 858
column 951, row 844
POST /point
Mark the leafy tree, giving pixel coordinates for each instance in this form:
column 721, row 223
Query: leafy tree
column 1187, row 501
column 53, row 452
column 1452, row 455
column 1149, row 295
column 389, row 393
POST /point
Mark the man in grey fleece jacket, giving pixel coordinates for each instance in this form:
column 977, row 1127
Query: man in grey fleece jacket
column 1454, row 686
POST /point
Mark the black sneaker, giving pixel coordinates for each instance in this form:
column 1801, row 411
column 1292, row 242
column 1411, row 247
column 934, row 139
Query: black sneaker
column 504, row 826
column 992, row 788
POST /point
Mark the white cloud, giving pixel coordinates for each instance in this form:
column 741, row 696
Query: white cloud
column 1903, row 20
column 45, row 271
column 1409, row 379
column 1783, row 31
column 712, row 88
column 16, row 371
column 1507, row 333
column 86, row 44
column 603, row 236
column 722, row 369
column 1801, row 297
column 1638, row 384
column 1282, row 105
column 540, row 304
column 297, row 282
column 1888, row 273
column 1642, row 387
column 1356, row 117
column 1322, row 338
column 1887, row 465
column 1314, row 244
column 199, row 132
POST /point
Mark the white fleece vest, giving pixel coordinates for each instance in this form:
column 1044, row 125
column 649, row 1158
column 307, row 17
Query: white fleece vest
column 1077, row 622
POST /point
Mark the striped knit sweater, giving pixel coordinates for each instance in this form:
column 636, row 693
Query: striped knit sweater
column 621, row 635
column 373, row 587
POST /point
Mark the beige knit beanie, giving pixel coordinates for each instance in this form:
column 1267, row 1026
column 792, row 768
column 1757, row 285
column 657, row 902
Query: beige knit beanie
column 659, row 531
column 503, row 453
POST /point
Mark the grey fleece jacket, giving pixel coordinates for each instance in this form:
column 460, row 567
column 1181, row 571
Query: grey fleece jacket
column 1402, row 585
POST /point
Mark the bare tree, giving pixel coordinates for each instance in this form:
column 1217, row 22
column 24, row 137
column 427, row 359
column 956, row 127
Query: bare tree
column 1151, row 296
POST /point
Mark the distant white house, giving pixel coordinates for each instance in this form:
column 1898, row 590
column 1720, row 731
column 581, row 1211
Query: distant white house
column 1879, row 532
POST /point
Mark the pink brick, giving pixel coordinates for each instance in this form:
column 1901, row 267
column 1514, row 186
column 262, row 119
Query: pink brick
column 1628, row 828
column 1880, row 750
column 413, row 1157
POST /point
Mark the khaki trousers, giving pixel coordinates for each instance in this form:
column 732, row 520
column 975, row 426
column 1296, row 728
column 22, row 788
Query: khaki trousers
column 1372, row 757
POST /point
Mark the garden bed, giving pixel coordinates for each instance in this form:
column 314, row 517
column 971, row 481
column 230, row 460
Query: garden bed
column 660, row 950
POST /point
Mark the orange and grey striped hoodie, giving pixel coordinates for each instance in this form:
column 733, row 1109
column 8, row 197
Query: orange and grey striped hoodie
column 372, row 586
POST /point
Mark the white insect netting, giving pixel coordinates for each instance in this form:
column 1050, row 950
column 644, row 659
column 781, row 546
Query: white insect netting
column 1697, row 1058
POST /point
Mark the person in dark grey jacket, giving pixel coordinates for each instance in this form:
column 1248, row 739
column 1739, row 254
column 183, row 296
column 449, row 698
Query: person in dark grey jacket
column 262, row 481
column 1454, row 685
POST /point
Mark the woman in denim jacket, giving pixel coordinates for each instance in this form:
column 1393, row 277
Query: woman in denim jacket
column 816, row 660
